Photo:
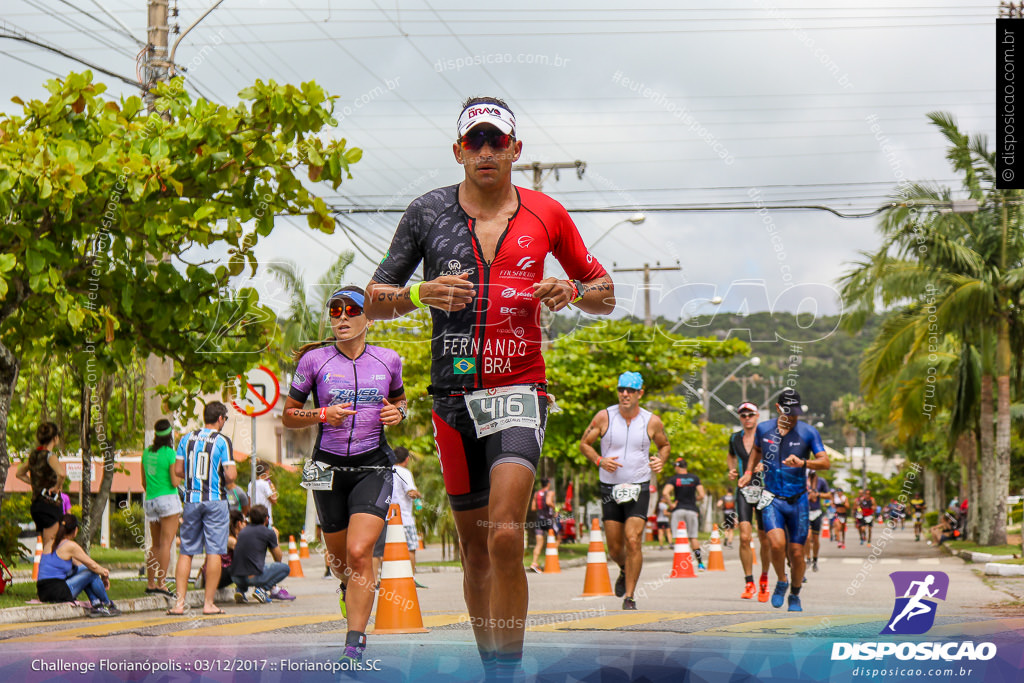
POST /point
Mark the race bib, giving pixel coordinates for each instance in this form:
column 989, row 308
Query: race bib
column 316, row 476
column 869, row 519
column 765, row 500
column 493, row 410
column 751, row 493
column 813, row 515
column 623, row 493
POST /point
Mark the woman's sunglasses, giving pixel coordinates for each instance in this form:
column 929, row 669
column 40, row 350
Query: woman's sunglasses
column 474, row 140
column 351, row 310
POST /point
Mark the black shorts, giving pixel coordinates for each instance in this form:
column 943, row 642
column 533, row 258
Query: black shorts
column 816, row 523
column 366, row 491
column 466, row 461
column 45, row 514
column 543, row 524
column 620, row 512
column 53, row 590
column 663, row 525
column 746, row 512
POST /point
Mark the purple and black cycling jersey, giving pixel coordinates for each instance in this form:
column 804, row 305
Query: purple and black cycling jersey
column 364, row 382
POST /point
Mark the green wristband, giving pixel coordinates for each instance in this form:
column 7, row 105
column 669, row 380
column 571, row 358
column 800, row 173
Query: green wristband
column 414, row 296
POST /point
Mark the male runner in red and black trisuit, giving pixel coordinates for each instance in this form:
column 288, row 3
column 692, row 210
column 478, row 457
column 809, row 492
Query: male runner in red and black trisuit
column 482, row 244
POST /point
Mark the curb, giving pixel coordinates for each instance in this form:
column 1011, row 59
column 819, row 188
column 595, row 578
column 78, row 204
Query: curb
column 64, row 610
column 1000, row 569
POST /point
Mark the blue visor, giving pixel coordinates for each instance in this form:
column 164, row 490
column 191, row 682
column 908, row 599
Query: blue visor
column 631, row 380
column 348, row 294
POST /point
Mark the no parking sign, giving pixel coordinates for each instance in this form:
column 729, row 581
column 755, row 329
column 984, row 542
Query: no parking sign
column 257, row 392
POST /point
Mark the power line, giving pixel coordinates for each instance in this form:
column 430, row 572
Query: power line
column 11, row 35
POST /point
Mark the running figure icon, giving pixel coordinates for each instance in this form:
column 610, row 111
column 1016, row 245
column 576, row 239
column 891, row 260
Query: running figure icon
column 916, row 605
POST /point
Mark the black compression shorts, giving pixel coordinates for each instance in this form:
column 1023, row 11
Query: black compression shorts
column 466, row 461
column 365, row 491
column 620, row 512
column 745, row 510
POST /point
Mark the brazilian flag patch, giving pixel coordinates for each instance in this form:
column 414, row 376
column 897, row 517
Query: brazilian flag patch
column 464, row 366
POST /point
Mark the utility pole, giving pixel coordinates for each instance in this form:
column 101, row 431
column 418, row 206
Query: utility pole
column 647, row 270
column 537, row 169
column 158, row 370
column 156, row 50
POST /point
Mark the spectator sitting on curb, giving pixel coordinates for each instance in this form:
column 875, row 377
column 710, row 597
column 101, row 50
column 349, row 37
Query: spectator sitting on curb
column 65, row 570
column 249, row 566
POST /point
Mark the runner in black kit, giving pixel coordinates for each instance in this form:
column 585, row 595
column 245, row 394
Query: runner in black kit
column 739, row 452
column 482, row 244
column 688, row 491
column 544, row 505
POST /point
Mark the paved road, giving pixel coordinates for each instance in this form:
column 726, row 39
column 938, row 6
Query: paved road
column 851, row 597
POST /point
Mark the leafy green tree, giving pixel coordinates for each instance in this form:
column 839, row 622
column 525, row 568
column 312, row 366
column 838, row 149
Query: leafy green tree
column 102, row 203
column 961, row 274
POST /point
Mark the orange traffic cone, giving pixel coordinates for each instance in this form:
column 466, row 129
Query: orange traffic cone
column 652, row 528
column 597, row 581
column 753, row 553
column 551, row 565
column 294, row 566
column 303, row 547
column 682, row 560
column 826, row 534
column 398, row 607
column 716, row 561
column 420, row 546
column 39, row 555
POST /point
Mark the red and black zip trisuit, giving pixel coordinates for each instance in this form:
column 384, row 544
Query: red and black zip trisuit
column 496, row 341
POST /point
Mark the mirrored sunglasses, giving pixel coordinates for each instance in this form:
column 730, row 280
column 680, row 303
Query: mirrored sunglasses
column 351, row 310
column 474, row 140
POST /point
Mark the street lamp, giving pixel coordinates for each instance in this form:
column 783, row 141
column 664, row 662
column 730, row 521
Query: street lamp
column 635, row 219
column 714, row 301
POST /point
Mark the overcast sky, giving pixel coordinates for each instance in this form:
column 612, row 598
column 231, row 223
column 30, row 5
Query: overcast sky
column 722, row 103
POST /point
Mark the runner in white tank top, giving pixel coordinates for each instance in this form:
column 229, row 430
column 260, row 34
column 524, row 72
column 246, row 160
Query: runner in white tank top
column 627, row 432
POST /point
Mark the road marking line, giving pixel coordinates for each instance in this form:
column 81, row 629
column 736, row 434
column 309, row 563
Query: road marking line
column 247, row 628
column 614, row 621
column 852, row 560
column 787, row 627
column 43, row 624
column 105, row 628
column 928, row 560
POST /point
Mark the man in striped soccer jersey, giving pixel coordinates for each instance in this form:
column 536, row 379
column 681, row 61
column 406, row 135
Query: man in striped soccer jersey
column 206, row 464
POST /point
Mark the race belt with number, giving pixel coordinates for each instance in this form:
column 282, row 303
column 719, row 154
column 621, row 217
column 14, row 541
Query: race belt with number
column 751, row 493
column 493, row 410
column 765, row 500
column 813, row 515
column 317, row 476
column 623, row 493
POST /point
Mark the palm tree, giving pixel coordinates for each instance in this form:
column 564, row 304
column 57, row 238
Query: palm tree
column 305, row 311
column 959, row 274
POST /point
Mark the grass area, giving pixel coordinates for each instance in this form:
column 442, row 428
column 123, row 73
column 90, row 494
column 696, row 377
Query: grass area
column 105, row 556
column 967, row 546
column 23, row 590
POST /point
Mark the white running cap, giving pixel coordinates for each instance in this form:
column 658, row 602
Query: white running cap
column 487, row 112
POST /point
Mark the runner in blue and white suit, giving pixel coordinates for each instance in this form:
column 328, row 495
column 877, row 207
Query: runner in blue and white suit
column 786, row 448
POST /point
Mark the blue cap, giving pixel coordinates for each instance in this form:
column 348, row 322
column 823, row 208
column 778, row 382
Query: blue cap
column 348, row 294
column 631, row 380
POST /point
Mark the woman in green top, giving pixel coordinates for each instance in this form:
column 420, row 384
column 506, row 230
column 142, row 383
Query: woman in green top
column 163, row 506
